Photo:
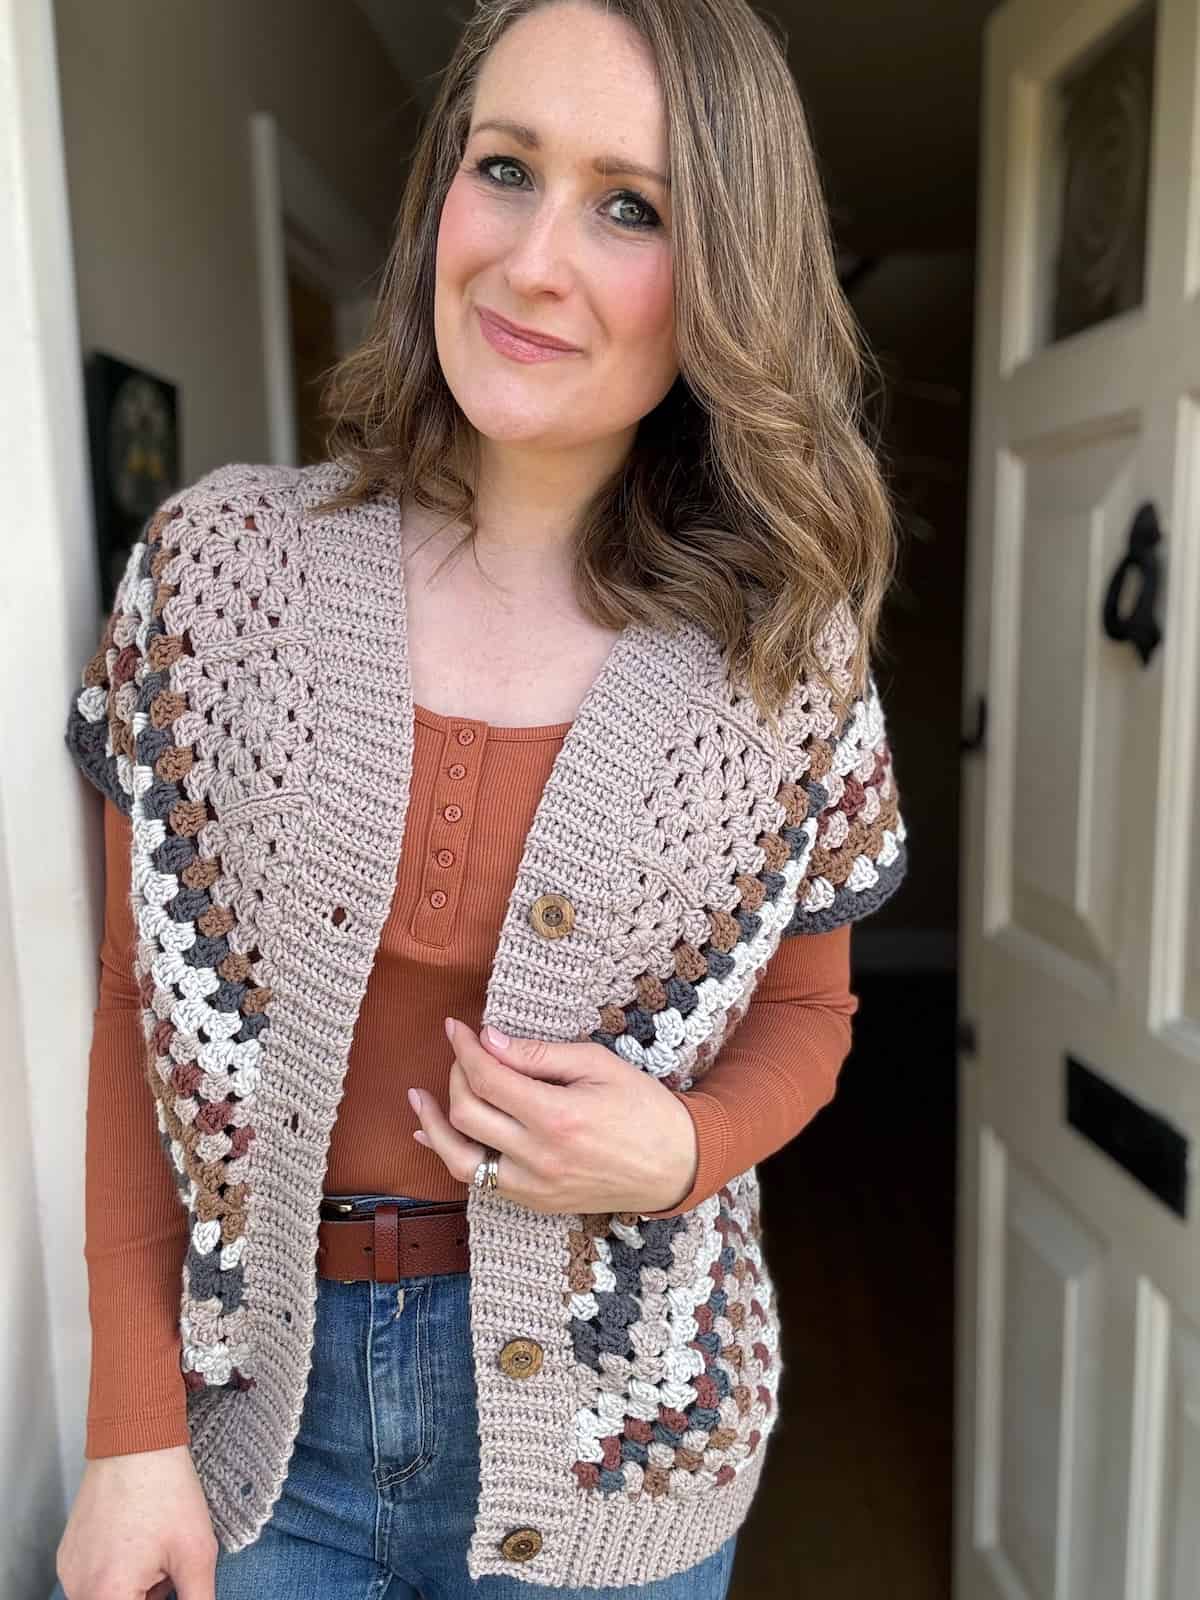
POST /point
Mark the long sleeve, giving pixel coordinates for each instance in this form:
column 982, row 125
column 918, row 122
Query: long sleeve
column 135, row 1227
column 772, row 1077
column 781, row 1065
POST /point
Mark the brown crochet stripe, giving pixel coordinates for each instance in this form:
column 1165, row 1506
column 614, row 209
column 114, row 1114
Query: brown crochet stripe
column 726, row 1419
column 834, row 863
column 216, row 1199
column 690, row 962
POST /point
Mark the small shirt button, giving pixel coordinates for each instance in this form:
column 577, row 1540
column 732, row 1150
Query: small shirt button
column 521, row 1545
column 466, row 736
column 552, row 915
column 452, row 813
column 445, row 858
column 457, row 770
column 437, row 899
column 521, row 1358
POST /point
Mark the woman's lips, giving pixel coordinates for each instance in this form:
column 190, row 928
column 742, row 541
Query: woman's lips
column 510, row 344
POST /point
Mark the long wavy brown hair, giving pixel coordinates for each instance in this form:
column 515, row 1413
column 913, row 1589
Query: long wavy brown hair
column 751, row 500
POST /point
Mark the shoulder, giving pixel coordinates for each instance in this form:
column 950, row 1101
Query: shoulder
column 209, row 566
column 830, row 769
column 236, row 499
column 845, row 794
column 233, row 501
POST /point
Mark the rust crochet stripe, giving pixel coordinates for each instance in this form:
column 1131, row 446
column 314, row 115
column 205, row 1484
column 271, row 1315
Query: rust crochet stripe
column 204, row 1013
column 683, row 1383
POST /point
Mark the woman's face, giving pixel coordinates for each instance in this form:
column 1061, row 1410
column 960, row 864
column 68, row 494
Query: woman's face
column 532, row 231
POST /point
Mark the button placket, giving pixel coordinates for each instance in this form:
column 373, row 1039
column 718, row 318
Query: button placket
column 450, row 819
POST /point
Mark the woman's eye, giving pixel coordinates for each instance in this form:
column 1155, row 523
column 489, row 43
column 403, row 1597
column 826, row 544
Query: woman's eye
column 649, row 218
column 481, row 167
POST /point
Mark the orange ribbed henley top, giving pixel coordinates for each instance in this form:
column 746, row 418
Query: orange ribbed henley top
column 474, row 790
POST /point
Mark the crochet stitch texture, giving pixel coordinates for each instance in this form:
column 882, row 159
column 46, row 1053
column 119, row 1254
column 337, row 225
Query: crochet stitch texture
column 249, row 708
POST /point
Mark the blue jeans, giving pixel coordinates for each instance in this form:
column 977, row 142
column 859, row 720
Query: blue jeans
column 379, row 1498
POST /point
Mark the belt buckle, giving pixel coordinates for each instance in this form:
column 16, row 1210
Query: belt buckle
column 347, row 1207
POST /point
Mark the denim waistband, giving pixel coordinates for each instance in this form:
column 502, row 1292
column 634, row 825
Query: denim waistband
column 368, row 1201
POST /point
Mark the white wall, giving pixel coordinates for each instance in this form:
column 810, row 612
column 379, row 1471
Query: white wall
column 157, row 100
column 142, row 162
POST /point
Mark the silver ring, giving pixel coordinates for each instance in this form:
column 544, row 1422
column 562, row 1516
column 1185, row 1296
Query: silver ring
column 486, row 1173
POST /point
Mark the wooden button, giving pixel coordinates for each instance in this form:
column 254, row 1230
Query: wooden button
column 552, row 915
column 521, row 1358
column 521, row 1545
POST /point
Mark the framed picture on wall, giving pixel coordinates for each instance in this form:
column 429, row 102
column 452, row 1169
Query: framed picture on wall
column 133, row 435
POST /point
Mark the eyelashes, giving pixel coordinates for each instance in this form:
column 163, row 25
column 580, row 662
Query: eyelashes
column 651, row 217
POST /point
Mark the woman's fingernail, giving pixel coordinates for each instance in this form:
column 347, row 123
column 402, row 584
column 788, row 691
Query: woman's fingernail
column 449, row 1027
column 420, row 1137
column 499, row 1038
column 414, row 1100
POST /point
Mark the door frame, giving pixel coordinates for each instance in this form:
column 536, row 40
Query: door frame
column 49, row 832
column 301, row 221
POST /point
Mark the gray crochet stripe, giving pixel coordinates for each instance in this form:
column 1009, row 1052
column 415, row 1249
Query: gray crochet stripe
column 597, row 838
column 608, row 1331
column 851, row 904
column 848, row 905
column 87, row 742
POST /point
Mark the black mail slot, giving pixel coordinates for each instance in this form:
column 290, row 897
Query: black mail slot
column 1150, row 1148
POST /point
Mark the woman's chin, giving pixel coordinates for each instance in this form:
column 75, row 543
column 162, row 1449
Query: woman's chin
column 507, row 427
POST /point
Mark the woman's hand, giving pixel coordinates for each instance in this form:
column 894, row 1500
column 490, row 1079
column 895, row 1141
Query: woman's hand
column 578, row 1129
column 140, row 1525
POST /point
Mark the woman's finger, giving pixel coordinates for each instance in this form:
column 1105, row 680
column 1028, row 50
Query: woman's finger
column 460, row 1154
column 518, row 1093
column 476, row 1119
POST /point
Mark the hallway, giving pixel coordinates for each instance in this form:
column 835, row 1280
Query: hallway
column 856, row 1499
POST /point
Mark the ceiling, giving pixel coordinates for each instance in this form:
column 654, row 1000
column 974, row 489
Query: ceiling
column 891, row 88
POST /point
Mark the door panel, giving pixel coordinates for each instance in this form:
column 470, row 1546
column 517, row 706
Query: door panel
column 1078, row 1388
column 1052, row 1330
column 1068, row 758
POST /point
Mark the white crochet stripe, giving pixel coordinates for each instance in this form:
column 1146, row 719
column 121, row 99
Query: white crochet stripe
column 676, row 1037
column 863, row 874
column 181, row 993
column 854, row 751
column 676, row 1311
column 673, row 1312
column 93, row 703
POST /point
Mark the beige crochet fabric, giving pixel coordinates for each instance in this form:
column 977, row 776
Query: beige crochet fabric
column 250, row 708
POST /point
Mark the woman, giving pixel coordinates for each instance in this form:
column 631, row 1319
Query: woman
column 632, row 750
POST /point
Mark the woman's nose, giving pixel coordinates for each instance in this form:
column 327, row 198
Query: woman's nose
column 541, row 255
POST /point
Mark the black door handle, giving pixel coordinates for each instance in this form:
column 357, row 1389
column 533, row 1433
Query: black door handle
column 1137, row 626
column 974, row 740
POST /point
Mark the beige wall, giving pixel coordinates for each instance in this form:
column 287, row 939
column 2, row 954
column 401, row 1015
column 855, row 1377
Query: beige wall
column 157, row 96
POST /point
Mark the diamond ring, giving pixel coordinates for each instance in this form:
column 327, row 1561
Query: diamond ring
column 486, row 1172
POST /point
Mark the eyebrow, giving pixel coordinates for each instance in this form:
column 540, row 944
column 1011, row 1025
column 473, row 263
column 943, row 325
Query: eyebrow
column 607, row 166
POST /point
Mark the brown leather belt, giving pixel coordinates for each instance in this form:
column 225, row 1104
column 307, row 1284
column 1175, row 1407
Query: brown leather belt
column 393, row 1242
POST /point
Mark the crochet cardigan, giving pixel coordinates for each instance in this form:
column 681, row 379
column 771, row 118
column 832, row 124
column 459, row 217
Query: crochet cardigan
column 249, row 708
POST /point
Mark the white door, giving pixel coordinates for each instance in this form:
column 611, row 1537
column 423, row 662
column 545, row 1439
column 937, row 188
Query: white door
column 1078, row 1382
